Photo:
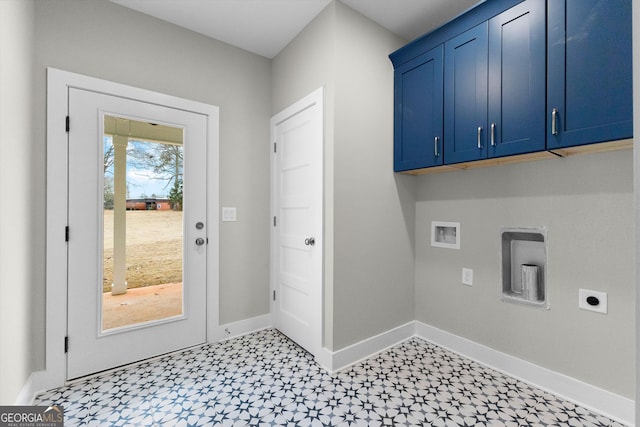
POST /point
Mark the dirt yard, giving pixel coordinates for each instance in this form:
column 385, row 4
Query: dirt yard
column 154, row 248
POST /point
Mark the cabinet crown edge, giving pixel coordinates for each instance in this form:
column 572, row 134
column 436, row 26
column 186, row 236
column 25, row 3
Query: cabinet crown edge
column 472, row 17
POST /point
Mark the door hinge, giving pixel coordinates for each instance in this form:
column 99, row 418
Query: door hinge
column 66, row 124
column 66, row 344
column 274, row 295
column 274, row 221
column 66, row 233
column 275, row 147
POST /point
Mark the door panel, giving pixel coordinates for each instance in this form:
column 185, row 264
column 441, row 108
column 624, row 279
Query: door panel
column 297, row 230
column 465, row 96
column 93, row 348
column 517, row 80
column 589, row 71
column 418, row 112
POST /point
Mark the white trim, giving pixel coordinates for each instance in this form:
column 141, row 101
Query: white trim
column 324, row 358
column 611, row 405
column 242, row 327
column 28, row 393
column 56, row 248
column 58, row 82
column 359, row 351
column 213, row 219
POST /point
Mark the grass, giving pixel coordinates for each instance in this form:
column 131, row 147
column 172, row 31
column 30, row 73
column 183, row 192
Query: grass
column 154, row 248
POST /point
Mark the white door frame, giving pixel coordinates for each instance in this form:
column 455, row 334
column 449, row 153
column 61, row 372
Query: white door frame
column 313, row 100
column 58, row 82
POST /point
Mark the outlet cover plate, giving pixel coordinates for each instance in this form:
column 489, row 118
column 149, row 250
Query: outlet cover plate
column 228, row 214
column 467, row 276
column 584, row 294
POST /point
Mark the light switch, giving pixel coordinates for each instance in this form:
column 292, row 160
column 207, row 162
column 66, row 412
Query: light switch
column 228, row 214
column 467, row 276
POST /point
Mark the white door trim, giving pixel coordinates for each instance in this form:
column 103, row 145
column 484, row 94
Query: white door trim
column 58, row 82
column 313, row 100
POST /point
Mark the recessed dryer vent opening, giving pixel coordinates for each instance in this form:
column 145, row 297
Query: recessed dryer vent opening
column 524, row 266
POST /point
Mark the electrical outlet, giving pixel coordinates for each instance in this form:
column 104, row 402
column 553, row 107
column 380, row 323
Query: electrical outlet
column 592, row 301
column 467, row 276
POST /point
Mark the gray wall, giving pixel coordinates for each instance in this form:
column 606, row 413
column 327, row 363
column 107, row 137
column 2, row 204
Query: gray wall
column 373, row 208
column 20, row 280
column 108, row 41
column 586, row 205
column 368, row 211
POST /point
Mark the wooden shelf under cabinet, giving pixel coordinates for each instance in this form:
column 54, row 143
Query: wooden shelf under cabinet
column 603, row 147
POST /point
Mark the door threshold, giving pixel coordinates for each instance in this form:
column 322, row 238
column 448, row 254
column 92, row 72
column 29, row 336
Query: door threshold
column 132, row 364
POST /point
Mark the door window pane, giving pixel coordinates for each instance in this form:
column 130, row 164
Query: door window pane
column 143, row 223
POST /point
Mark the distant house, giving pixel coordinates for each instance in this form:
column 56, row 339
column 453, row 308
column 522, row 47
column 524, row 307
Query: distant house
column 148, row 204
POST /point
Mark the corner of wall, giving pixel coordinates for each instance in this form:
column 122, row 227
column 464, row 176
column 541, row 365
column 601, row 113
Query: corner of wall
column 21, row 349
column 373, row 211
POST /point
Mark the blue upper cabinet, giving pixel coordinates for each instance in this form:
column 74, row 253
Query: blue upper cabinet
column 517, row 42
column 589, row 90
column 418, row 112
column 514, row 77
column 465, row 96
column 495, row 85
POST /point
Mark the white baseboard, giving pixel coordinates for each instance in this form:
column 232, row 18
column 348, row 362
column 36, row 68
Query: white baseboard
column 29, row 390
column 324, row 358
column 242, row 327
column 354, row 353
column 611, row 405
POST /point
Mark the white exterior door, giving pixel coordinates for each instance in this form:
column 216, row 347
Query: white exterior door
column 297, row 238
column 94, row 346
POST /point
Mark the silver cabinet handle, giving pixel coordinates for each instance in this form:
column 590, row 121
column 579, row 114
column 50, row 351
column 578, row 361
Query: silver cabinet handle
column 480, row 137
column 310, row 241
column 554, row 121
column 435, row 147
column 199, row 241
column 493, row 134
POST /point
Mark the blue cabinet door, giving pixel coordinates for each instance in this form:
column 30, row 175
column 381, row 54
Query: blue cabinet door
column 465, row 96
column 589, row 91
column 418, row 112
column 517, row 42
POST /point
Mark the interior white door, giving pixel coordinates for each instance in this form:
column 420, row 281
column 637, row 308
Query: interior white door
column 297, row 238
column 92, row 347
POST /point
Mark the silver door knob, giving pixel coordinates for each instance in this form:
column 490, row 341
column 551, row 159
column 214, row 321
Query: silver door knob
column 199, row 241
column 310, row 241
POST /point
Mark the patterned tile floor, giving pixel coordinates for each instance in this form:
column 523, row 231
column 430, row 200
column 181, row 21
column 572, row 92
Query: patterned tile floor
column 267, row 380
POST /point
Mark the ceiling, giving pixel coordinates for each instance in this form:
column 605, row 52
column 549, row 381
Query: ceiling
column 265, row 27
